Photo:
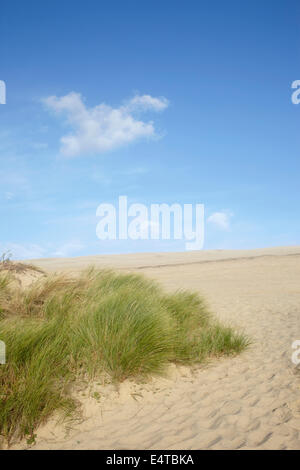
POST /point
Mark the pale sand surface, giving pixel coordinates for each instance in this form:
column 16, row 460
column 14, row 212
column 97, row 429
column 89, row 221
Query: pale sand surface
column 249, row 401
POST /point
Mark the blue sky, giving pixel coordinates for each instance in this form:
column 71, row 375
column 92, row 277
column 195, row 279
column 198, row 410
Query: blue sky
column 162, row 101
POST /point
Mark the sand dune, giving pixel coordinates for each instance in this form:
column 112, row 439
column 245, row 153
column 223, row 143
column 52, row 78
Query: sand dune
column 248, row 402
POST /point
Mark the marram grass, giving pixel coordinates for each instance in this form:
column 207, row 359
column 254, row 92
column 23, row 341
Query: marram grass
column 61, row 329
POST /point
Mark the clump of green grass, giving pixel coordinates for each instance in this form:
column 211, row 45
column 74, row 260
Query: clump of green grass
column 61, row 329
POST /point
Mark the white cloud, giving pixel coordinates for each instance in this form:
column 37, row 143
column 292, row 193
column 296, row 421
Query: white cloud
column 135, row 171
column 8, row 195
column 147, row 102
column 68, row 249
column 34, row 251
column 39, row 145
column 103, row 128
column 27, row 251
column 14, row 180
column 221, row 220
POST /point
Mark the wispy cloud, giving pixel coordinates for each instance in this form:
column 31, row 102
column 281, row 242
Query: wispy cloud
column 221, row 220
column 103, row 128
column 34, row 251
column 23, row 251
column 14, row 179
column 69, row 249
column 40, row 145
column 8, row 195
column 145, row 103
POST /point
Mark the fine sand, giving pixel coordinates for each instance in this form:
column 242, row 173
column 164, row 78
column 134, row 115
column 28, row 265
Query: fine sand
column 251, row 401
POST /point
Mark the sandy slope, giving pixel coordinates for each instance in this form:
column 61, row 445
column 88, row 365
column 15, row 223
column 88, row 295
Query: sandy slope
column 251, row 401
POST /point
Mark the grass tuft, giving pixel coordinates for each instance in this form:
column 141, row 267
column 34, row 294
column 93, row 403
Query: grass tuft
column 61, row 329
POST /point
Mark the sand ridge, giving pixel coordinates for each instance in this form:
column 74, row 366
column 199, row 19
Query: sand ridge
column 251, row 401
